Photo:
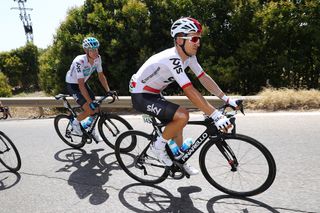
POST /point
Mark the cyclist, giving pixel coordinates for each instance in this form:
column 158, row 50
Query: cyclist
column 80, row 70
column 162, row 69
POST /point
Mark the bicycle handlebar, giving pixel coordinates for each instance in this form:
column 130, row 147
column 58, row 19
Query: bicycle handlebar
column 225, row 106
column 112, row 94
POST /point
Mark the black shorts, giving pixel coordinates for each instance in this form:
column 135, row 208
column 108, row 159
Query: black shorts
column 74, row 91
column 154, row 105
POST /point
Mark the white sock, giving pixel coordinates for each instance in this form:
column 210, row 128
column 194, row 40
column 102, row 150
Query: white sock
column 160, row 143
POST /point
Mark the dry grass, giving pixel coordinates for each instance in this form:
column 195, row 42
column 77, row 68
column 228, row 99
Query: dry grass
column 286, row 99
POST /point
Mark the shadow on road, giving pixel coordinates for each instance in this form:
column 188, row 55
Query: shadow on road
column 227, row 203
column 141, row 198
column 88, row 171
column 8, row 179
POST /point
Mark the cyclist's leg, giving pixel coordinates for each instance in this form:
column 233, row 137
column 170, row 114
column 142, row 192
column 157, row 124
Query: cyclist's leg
column 164, row 110
column 74, row 91
column 175, row 116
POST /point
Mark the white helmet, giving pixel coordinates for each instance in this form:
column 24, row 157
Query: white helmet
column 90, row 43
column 185, row 25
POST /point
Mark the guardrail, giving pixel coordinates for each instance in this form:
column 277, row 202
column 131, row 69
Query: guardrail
column 123, row 102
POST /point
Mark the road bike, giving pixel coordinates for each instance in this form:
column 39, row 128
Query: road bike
column 233, row 163
column 9, row 155
column 110, row 126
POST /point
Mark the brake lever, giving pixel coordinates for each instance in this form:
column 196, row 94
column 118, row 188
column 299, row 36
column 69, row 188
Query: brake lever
column 240, row 105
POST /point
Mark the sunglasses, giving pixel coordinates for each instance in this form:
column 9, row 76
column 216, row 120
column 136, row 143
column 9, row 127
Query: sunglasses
column 193, row 39
column 93, row 50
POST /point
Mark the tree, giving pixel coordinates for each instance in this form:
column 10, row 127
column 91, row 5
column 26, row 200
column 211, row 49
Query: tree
column 5, row 88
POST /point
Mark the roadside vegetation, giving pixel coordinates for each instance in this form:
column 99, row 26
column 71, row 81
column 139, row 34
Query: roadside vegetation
column 286, row 99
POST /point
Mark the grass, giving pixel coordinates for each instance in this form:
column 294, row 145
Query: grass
column 286, row 99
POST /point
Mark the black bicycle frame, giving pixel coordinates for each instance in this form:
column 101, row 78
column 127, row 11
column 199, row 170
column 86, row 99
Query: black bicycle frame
column 211, row 131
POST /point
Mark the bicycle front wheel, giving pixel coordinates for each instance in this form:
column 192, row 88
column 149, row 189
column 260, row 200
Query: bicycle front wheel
column 238, row 165
column 62, row 125
column 111, row 126
column 9, row 155
column 140, row 163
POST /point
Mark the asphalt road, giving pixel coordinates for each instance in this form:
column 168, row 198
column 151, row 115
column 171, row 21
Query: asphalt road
column 93, row 181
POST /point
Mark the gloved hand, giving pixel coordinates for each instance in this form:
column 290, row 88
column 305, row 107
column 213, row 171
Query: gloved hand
column 111, row 93
column 221, row 121
column 231, row 102
column 93, row 105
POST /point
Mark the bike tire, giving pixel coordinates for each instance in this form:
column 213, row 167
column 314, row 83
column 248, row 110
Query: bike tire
column 253, row 158
column 143, row 168
column 6, row 157
column 63, row 127
column 110, row 126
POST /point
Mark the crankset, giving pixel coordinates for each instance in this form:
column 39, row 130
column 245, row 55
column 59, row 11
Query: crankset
column 177, row 171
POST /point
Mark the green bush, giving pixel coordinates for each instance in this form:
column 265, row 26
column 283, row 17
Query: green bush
column 5, row 88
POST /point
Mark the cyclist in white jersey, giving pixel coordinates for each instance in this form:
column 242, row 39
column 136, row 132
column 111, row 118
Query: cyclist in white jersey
column 166, row 67
column 80, row 70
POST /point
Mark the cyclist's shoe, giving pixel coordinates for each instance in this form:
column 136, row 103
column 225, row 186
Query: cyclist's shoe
column 96, row 135
column 162, row 155
column 76, row 129
column 190, row 170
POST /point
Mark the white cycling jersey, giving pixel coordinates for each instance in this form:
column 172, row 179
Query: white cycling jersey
column 162, row 69
column 81, row 68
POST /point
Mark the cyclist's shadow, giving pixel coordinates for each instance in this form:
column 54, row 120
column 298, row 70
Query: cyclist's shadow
column 157, row 199
column 88, row 171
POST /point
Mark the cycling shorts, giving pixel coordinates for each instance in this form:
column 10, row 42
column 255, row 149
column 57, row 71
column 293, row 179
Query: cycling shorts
column 74, row 91
column 154, row 105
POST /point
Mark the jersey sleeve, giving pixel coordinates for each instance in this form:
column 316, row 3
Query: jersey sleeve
column 195, row 67
column 176, row 68
column 99, row 64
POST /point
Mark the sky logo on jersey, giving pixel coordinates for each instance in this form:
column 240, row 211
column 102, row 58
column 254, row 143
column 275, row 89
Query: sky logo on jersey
column 177, row 63
column 78, row 67
column 152, row 108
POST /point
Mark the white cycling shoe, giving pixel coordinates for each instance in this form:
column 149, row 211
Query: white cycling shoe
column 190, row 170
column 76, row 129
column 161, row 155
column 96, row 135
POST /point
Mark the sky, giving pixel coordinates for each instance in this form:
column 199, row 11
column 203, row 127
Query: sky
column 46, row 17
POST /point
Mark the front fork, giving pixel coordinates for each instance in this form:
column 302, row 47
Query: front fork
column 227, row 152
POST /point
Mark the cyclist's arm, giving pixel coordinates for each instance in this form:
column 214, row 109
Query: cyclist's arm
column 211, row 85
column 84, row 90
column 198, row 100
column 103, row 81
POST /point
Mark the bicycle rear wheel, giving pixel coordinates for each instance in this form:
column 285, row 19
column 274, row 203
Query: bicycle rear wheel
column 110, row 126
column 139, row 163
column 9, row 155
column 238, row 165
column 63, row 128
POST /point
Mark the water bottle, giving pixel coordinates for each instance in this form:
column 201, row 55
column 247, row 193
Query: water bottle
column 174, row 148
column 187, row 143
column 87, row 122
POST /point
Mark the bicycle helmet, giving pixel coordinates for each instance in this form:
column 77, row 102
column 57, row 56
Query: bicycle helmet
column 185, row 25
column 90, row 43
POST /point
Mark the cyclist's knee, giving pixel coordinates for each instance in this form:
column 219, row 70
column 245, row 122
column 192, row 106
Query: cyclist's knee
column 181, row 115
